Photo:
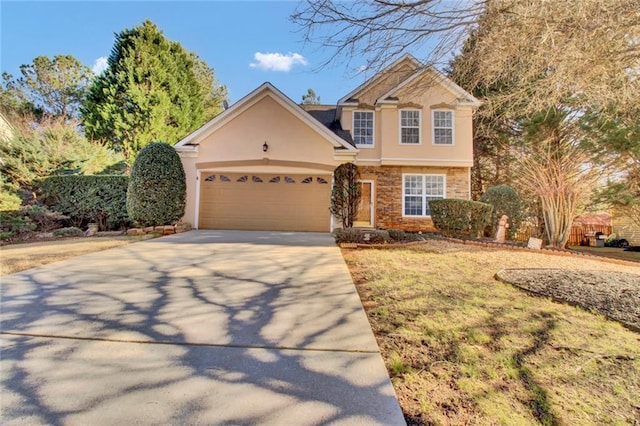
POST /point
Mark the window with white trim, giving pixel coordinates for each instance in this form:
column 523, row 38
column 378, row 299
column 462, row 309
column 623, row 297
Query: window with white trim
column 443, row 127
column 363, row 128
column 418, row 190
column 410, row 126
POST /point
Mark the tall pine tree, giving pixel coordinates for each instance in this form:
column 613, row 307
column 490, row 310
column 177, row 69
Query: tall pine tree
column 152, row 90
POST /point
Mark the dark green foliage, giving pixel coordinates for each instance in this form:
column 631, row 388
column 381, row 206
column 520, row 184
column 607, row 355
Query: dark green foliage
column 54, row 149
column 505, row 200
column 456, row 218
column 14, row 223
column 100, row 199
column 68, row 232
column 29, row 219
column 348, row 235
column 397, row 234
column 157, row 190
column 376, row 237
column 44, row 219
column 153, row 89
column 345, row 194
column 402, row 236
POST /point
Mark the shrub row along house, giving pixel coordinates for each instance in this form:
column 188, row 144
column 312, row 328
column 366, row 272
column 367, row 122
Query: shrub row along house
column 266, row 163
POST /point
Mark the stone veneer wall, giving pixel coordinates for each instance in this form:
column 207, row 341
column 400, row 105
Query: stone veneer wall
column 388, row 193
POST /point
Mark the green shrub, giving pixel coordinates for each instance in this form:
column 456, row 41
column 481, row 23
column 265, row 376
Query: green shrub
column 99, row 198
column 348, row 235
column 9, row 198
column 505, row 201
column 376, row 237
column 454, row 217
column 157, row 189
column 402, row 236
column 43, row 219
column 68, row 232
column 14, row 223
column 397, row 234
column 52, row 149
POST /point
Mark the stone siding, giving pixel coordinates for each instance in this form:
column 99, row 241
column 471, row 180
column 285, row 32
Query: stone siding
column 388, row 193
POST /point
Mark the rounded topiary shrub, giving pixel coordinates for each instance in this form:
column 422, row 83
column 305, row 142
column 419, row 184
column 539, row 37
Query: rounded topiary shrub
column 505, row 200
column 157, row 189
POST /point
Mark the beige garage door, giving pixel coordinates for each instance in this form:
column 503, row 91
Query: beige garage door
column 269, row 202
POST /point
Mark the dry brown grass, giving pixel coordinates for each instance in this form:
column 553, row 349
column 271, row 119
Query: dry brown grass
column 20, row 257
column 463, row 348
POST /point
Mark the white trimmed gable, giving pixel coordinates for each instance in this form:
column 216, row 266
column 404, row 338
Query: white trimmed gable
column 264, row 90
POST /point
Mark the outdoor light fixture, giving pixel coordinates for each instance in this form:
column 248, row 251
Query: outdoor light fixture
column 265, row 147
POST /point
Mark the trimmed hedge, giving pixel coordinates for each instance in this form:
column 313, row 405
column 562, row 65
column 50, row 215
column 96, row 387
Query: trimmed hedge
column 158, row 189
column 505, row 200
column 456, row 218
column 98, row 198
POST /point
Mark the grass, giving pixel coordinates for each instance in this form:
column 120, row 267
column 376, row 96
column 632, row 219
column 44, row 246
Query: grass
column 19, row 257
column 462, row 348
column 612, row 252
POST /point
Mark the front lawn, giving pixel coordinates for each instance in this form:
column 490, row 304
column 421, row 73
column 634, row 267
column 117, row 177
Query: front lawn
column 463, row 348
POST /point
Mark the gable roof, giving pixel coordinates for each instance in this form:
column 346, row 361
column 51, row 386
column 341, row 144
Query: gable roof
column 405, row 58
column 464, row 97
column 265, row 89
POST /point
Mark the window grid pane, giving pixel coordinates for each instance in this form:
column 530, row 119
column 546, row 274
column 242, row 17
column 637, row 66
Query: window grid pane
column 410, row 127
column 410, row 136
column 443, row 127
column 419, row 190
column 363, row 127
column 413, row 206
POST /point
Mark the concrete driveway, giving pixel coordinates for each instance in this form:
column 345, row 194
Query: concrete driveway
column 206, row 327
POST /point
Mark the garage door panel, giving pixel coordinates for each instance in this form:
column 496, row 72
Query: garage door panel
column 279, row 202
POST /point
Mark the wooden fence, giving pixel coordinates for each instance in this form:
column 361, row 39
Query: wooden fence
column 578, row 232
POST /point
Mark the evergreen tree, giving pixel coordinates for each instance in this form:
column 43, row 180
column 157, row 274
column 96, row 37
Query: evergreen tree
column 47, row 89
column 310, row 98
column 152, row 89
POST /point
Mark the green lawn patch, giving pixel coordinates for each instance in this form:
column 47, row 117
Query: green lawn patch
column 463, row 348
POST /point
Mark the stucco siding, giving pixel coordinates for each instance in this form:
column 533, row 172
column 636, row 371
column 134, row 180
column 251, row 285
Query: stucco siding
column 288, row 138
column 191, row 176
column 426, row 95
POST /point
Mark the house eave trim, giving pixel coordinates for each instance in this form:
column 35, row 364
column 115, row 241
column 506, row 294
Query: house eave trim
column 211, row 165
column 426, row 162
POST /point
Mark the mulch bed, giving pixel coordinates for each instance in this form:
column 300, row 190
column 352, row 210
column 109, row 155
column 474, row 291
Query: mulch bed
column 614, row 294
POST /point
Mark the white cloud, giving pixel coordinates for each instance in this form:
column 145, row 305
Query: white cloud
column 99, row 65
column 277, row 61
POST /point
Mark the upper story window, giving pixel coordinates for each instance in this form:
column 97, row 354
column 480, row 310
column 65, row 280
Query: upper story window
column 443, row 127
column 410, row 126
column 363, row 128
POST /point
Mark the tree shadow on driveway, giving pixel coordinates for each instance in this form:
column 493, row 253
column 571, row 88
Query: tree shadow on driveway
column 173, row 331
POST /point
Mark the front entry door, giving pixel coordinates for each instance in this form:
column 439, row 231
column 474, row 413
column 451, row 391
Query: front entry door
column 364, row 218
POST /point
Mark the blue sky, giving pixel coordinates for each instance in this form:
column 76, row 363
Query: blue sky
column 229, row 35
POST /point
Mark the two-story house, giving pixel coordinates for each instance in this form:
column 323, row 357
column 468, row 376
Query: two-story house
column 266, row 163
